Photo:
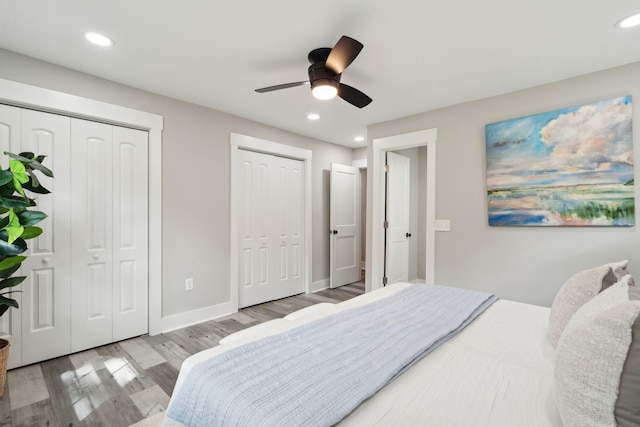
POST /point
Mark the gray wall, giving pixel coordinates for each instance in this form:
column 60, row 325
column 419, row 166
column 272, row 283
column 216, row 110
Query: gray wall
column 195, row 227
column 517, row 263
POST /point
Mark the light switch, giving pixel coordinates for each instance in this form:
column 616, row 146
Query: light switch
column 443, row 225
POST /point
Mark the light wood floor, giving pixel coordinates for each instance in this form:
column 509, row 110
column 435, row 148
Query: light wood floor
column 122, row 383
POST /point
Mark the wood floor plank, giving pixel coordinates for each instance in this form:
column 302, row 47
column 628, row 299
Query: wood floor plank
column 32, row 386
column 110, row 386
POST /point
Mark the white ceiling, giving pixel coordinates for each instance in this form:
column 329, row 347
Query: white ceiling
column 418, row 55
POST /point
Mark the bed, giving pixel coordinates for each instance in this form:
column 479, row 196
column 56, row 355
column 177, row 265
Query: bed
column 498, row 369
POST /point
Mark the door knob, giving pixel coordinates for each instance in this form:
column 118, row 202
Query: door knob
column 335, row 231
column 96, row 256
column 408, row 234
column 45, row 261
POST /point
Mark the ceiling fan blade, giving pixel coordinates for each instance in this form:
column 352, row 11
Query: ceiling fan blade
column 283, row 86
column 343, row 54
column 353, row 96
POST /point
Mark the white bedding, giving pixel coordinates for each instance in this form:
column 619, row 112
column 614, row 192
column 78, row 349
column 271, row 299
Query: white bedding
column 497, row 372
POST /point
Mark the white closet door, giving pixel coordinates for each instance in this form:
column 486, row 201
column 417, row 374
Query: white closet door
column 10, row 137
column 287, row 204
column 130, row 236
column 45, row 304
column 92, row 243
column 271, row 228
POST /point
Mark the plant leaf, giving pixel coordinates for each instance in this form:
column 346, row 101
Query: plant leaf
column 20, row 175
column 31, row 232
column 5, row 176
column 8, row 301
column 14, row 229
column 9, row 271
column 15, row 202
column 28, row 154
column 3, row 309
column 10, row 249
column 33, row 163
column 11, row 282
column 11, row 261
column 29, row 218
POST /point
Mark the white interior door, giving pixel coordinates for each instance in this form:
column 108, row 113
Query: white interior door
column 344, row 225
column 92, row 246
column 131, row 233
column 271, row 228
column 10, row 137
column 398, row 216
column 45, row 307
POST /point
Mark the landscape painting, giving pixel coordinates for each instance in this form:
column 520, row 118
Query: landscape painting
column 569, row 167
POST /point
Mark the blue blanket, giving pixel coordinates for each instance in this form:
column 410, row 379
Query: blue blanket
column 316, row 374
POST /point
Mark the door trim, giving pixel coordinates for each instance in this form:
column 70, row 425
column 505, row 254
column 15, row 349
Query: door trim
column 237, row 142
column 51, row 101
column 375, row 235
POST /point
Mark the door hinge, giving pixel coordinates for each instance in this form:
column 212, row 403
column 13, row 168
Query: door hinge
column 385, row 224
column 386, row 168
column 384, row 280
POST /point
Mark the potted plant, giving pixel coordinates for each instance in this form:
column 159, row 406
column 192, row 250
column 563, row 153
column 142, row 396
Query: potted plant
column 17, row 225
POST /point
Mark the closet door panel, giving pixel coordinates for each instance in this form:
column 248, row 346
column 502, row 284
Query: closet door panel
column 10, row 322
column 92, row 225
column 45, row 307
column 130, row 233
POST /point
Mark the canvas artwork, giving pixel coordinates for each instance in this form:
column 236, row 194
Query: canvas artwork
column 569, row 167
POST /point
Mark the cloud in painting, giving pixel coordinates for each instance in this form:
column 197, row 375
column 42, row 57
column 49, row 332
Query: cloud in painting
column 591, row 138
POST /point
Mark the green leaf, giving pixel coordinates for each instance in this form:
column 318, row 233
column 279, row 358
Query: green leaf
column 9, row 271
column 27, row 154
column 5, row 176
column 11, row 282
column 4, row 221
column 31, row 232
column 20, row 175
column 32, row 163
column 11, row 261
column 3, row 309
column 8, row 301
column 15, row 202
column 10, row 249
column 14, row 229
column 34, row 185
column 29, row 218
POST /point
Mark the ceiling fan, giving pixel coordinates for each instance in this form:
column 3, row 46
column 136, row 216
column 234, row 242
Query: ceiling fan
column 325, row 71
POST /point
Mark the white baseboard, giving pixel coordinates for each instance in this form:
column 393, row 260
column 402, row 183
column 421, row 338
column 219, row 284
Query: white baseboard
column 319, row 286
column 182, row 320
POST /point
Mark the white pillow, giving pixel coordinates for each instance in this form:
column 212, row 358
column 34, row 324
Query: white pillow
column 598, row 361
column 576, row 291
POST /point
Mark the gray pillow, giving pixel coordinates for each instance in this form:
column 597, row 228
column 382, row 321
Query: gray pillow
column 576, row 291
column 597, row 369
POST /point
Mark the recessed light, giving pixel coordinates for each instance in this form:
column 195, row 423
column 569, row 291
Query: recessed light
column 629, row 21
column 98, row 39
column 313, row 116
column 358, row 138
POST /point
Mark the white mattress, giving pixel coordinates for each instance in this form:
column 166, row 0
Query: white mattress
column 497, row 372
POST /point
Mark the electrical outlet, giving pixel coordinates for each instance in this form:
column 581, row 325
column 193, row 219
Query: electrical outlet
column 188, row 284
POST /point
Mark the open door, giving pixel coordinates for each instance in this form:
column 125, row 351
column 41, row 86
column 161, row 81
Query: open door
column 397, row 231
column 344, row 220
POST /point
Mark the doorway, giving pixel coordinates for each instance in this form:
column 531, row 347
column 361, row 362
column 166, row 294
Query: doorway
column 375, row 255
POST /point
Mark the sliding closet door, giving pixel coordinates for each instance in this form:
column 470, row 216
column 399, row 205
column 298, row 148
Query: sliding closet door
column 271, row 228
column 130, row 236
column 45, row 307
column 92, row 222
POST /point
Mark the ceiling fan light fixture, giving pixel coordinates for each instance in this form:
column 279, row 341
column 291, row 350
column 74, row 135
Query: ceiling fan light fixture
column 324, row 89
column 629, row 21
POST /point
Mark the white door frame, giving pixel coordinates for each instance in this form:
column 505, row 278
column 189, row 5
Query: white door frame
column 37, row 98
column 375, row 251
column 238, row 142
